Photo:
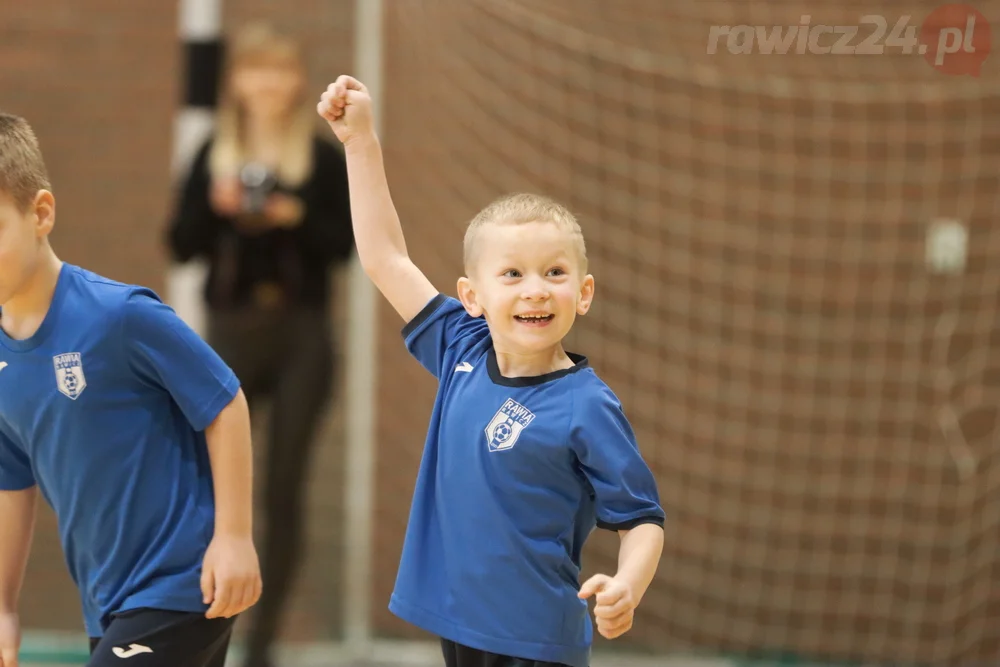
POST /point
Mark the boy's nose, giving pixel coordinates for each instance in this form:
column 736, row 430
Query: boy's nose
column 536, row 292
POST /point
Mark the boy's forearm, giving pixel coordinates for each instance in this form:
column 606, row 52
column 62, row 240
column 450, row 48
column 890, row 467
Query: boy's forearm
column 231, row 457
column 377, row 231
column 638, row 557
column 17, row 522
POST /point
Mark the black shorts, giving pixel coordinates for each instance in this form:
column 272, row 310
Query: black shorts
column 159, row 638
column 457, row 655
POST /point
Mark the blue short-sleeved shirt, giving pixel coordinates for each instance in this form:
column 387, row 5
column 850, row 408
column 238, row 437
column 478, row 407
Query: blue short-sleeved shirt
column 515, row 474
column 104, row 408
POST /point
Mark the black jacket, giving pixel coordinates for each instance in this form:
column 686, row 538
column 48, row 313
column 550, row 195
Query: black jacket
column 296, row 261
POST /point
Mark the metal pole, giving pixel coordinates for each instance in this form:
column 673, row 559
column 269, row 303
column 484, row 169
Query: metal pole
column 361, row 341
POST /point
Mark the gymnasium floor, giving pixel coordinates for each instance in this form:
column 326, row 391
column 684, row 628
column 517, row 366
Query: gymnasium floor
column 68, row 650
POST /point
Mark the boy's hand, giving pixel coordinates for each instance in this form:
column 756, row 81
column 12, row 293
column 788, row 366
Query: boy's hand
column 347, row 107
column 230, row 576
column 615, row 604
column 10, row 639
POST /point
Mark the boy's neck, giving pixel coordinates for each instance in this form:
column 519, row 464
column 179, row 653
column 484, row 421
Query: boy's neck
column 24, row 312
column 515, row 364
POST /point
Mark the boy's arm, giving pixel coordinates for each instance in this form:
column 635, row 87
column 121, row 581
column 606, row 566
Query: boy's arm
column 229, row 451
column 377, row 232
column 17, row 523
column 627, row 502
column 617, row 597
column 638, row 557
column 166, row 354
column 230, row 574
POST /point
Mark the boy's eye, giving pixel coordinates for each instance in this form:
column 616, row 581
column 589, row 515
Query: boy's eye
column 511, row 273
column 556, row 272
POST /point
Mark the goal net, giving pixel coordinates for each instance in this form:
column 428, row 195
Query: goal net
column 798, row 272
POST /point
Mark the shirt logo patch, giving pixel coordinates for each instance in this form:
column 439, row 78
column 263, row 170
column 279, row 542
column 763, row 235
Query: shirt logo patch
column 69, row 374
column 505, row 427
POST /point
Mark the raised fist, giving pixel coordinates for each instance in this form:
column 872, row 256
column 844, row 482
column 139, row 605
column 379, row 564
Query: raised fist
column 347, row 106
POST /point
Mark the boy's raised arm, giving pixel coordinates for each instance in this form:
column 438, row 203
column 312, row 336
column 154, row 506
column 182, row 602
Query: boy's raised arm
column 346, row 106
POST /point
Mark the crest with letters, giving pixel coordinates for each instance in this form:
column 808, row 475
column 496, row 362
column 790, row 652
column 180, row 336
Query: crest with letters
column 69, row 374
column 505, row 427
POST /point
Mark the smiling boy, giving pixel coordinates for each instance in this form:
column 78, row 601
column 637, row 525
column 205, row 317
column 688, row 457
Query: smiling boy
column 527, row 451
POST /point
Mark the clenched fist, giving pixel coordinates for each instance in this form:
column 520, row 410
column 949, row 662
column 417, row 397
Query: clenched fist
column 347, row 107
column 615, row 604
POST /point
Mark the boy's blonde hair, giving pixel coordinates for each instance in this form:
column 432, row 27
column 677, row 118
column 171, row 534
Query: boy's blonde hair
column 22, row 169
column 521, row 208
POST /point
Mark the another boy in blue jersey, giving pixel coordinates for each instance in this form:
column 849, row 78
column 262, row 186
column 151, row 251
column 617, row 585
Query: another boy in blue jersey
column 528, row 449
column 135, row 433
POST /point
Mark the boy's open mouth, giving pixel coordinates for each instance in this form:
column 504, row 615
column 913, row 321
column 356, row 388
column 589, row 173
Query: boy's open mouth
column 534, row 320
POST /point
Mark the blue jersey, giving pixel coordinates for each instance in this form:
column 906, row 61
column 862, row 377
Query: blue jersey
column 104, row 408
column 515, row 474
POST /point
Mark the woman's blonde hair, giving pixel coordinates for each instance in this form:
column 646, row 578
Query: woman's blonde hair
column 256, row 44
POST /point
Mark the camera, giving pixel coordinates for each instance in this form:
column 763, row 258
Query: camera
column 258, row 182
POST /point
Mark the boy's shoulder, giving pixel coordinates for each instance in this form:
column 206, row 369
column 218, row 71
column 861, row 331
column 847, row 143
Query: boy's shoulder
column 103, row 293
column 447, row 315
column 92, row 306
column 588, row 384
column 591, row 395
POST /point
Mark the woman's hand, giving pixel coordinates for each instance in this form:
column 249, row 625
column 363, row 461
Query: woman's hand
column 226, row 196
column 283, row 211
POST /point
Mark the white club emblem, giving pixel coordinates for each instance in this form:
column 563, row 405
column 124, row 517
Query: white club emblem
column 505, row 427
column 69, row 374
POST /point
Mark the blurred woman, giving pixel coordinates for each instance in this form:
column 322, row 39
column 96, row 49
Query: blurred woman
column 266, row 205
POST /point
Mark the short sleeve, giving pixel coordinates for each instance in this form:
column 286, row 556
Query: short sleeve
column 609, row 457
column 15, row 466
column 442, row 325
column 165, row 352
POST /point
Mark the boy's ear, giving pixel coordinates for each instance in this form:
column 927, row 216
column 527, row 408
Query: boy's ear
column 467, row 295
column 44, row 208
column 586, row 295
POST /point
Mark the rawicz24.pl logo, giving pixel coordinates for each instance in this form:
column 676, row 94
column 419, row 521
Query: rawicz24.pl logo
column 954, row 38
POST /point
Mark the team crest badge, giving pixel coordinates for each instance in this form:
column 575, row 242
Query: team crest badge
column 69, row 374
column 507, row 424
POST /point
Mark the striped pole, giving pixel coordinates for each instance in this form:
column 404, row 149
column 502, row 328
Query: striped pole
column 199, row 30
